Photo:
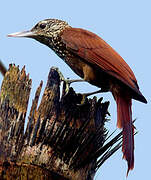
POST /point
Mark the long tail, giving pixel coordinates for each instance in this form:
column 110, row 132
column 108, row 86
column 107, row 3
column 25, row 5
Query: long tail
column 124, row 120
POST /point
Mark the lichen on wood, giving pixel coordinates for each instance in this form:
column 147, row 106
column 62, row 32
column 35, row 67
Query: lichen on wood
column 63, row 140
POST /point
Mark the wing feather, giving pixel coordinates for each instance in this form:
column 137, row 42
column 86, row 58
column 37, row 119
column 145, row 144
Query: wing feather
column 96, row 51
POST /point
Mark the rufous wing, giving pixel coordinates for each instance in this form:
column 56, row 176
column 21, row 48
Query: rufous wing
column 96, row 51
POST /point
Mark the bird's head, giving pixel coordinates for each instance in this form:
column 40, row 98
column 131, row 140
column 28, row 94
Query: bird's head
column 43, row 31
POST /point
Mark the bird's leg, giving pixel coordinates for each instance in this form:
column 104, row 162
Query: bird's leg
column 67, row 81
column 74, row 80
column 85, row 95
column 95, row 92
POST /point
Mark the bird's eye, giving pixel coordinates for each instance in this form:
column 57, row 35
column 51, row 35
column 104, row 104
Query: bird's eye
column 42, row 26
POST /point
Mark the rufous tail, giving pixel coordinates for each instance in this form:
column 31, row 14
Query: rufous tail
column 124, row 121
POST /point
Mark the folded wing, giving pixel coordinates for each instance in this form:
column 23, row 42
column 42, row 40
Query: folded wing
column 96, row 51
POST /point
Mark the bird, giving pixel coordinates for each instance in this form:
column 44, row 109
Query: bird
column 96, row 62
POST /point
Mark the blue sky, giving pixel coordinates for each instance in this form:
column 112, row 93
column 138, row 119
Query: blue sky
column 125, row 25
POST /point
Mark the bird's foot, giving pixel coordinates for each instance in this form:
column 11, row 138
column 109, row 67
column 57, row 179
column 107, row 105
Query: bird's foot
column 67, row 83
column 85, row 95
column 74, row 80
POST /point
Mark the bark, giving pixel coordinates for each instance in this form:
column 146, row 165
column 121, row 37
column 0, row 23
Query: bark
column 63, row 139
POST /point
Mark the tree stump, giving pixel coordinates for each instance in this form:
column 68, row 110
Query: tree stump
column 63, row 140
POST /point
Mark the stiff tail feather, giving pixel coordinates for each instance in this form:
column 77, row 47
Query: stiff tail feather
column 124, row 121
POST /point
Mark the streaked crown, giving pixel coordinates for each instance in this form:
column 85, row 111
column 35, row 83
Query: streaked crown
column 49, row 27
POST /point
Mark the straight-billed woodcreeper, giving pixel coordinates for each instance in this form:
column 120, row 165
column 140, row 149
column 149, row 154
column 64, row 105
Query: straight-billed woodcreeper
column 95, row 61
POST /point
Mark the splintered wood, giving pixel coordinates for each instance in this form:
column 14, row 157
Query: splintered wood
column 63, row 139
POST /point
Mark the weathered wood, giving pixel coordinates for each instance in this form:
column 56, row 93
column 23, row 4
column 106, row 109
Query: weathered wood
column 62, row 140
column 14, row 98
